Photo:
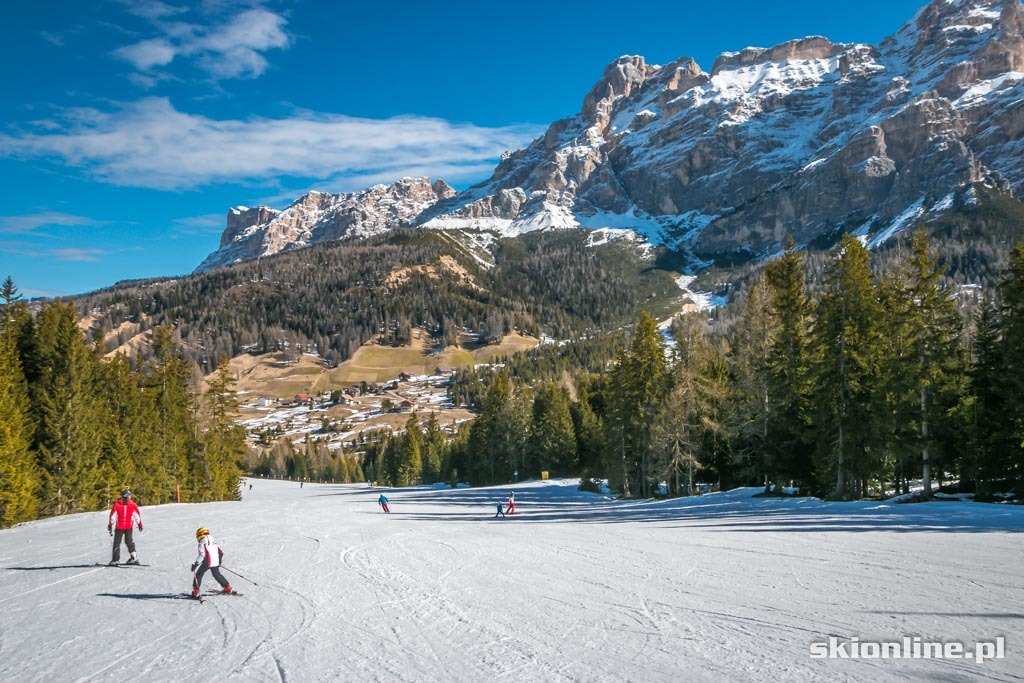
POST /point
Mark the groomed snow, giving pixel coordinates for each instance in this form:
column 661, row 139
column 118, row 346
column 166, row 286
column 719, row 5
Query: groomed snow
column 574, row 587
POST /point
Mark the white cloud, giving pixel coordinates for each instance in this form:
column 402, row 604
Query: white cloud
column 232, row 48
column 74, row 254
column 147, row 54
column 207, row 224
column 150, row 9
column 150, row 144
column 29, row 223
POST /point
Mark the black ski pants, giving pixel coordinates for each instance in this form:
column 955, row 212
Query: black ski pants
column 126, row 534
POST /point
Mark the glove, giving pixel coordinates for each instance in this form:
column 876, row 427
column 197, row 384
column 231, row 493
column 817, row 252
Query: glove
column 140, row 526
column 194, row 565
column 110, row 530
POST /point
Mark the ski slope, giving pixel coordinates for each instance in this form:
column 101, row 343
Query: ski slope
column 574, row 587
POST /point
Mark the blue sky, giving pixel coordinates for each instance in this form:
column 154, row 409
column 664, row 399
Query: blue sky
column 129, row 128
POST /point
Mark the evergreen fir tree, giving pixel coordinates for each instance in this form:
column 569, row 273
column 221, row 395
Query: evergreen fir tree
column 223, row 439
column 69, row 434
column 433, row 450
column 1011, row 291
column 847, row 339
column 938, row 366
column 552, row 444
column 636, row 387
column 19, row 474
column 410, row 470
column 788, row 372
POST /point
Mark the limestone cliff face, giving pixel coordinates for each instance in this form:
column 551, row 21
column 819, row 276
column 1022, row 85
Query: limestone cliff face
column 801, row 139
column 320, row 216
column 798, row 139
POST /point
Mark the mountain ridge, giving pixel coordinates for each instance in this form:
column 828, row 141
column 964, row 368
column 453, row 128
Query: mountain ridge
column 802, row 138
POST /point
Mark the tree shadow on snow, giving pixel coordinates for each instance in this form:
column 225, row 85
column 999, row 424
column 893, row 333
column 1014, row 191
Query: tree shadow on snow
column 734, row 511
column 713, row 513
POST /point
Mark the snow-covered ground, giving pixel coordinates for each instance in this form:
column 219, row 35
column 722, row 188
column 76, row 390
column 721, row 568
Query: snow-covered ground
column 574, row 587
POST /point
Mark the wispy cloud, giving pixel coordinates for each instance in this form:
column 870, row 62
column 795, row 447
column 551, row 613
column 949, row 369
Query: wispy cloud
column 151, row 144
column 30, row 223
column 74, row 254
column 207, row 224
column 229, row 47
column 150, row 9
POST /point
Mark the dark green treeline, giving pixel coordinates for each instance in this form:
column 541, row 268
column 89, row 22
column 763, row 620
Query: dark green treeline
column 853, row 388
column 75, row 429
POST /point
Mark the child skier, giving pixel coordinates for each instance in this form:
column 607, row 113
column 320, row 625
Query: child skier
column 384, row 503
column 210, row 555
column 511, row 502
column 501, row 510
column 126, row 513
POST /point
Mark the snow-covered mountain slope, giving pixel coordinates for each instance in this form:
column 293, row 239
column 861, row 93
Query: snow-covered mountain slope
column 574, row 587
column 800, row 139
column 319, row 216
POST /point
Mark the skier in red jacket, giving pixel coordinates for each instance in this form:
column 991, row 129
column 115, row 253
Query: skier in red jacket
column 126, row 514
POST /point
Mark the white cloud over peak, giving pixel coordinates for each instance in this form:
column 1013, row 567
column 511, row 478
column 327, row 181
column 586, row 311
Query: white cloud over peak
column 151, row 144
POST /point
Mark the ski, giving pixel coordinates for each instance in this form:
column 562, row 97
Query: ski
column 222, row 593
column 122, row 565
column 197, row 598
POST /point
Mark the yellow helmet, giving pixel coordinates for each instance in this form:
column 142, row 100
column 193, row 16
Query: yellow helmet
column 201, row 533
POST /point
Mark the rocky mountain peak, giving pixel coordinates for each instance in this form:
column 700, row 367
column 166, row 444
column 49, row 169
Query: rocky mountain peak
column 812, row 47
column 621, row 79
column 803, row 139
column 321, row 216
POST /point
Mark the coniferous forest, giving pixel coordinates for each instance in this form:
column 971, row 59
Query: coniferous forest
column 75, row 429
column 856, row 387
column 844, row 374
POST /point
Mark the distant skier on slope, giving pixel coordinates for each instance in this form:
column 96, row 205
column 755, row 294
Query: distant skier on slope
column 511, row 503
column 383, row 502
column 210, row 555
column 123, row 515
column 501, row 510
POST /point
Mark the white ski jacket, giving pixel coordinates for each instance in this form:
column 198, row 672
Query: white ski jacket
column 209, row 552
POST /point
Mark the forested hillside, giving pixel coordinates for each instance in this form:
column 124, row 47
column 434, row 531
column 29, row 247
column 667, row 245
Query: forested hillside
column 332, row 298
column 856, row 388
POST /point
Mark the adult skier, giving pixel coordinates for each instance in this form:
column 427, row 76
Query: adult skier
column 210, row 555
column 511, row 502
column 123, row 516
column 383, row 502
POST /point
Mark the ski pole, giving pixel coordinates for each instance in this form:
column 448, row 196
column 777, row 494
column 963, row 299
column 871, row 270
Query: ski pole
column 238, row 575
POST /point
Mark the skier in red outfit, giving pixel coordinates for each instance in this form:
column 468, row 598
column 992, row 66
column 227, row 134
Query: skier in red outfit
column 511, row 503
column 126, row 514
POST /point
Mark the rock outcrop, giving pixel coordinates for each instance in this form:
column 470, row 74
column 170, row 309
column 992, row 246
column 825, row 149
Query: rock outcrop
column 803, row 139
column 320, row 216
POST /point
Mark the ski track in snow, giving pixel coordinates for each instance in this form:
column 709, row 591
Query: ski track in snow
column 573, row 587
